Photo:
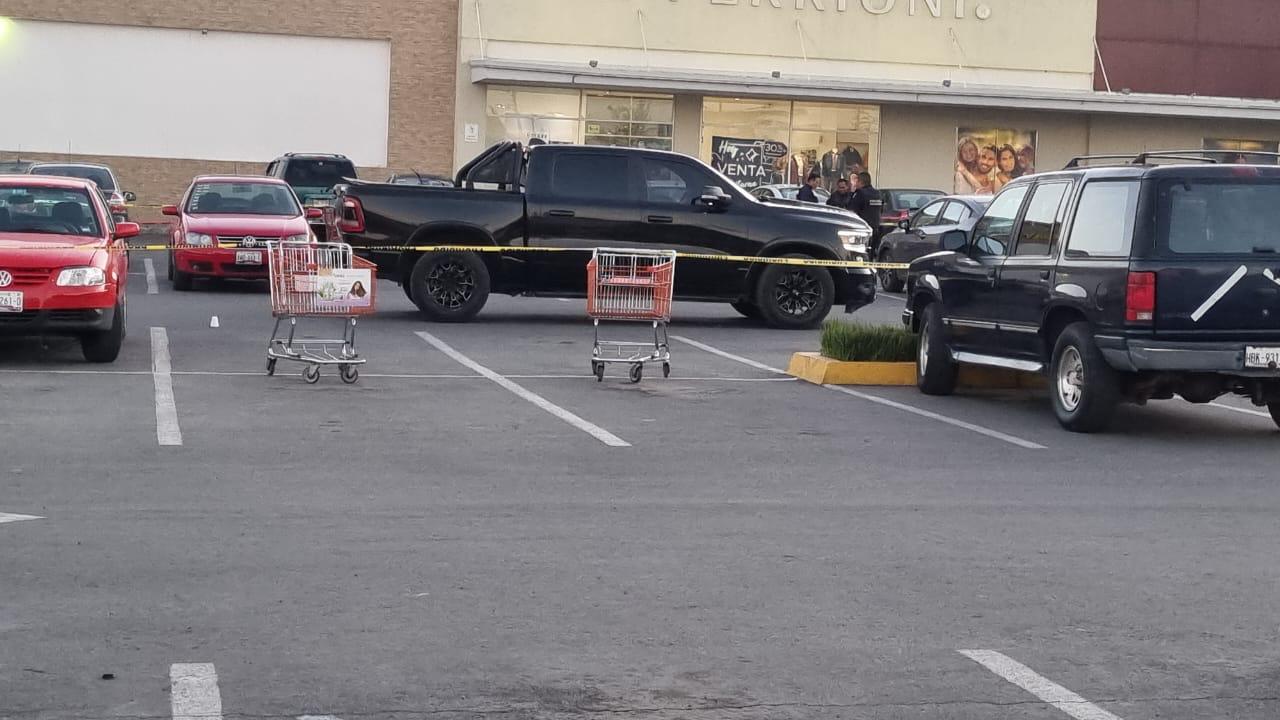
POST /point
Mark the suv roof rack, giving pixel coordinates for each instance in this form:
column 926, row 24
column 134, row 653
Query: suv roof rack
column 1145, row 158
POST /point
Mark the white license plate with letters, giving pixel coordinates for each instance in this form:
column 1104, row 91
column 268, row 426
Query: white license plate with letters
column 10, row 302
column 1262, row 357
column 248, row 257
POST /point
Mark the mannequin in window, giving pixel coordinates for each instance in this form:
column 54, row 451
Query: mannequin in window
column 832, row 168
column 797, row 169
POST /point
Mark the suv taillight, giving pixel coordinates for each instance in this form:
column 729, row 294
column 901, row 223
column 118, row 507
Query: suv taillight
column 1140, row 298
column 351, row 219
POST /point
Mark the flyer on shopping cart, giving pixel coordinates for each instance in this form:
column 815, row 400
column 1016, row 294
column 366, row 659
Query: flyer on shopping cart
column 344, row 287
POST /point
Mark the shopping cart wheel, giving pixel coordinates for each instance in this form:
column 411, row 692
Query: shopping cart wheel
column 311, row 374
column 637, row 372
column 350, row 373
column 666, row 370
column 597, row 369
column 271, row 366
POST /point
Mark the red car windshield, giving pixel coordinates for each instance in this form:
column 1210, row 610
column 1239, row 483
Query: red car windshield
column 242, row 198
column 54, row 211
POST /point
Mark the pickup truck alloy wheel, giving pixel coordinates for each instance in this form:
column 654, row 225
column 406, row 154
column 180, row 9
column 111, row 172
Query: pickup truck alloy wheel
column 794, row 297
column 450, row 287
column 1084, row 389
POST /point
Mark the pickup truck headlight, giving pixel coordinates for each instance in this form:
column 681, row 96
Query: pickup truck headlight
column 81, row 277
column 199, row 239
column 304, row 238
column 855, row 241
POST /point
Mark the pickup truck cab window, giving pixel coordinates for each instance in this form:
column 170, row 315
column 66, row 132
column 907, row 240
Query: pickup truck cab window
column 993, row 232
column 586, row 176
column 1038, row 236
column 1103, row 226
column 668, row 182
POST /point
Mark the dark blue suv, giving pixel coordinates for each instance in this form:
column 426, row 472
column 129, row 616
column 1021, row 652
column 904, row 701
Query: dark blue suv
column 1131, row 282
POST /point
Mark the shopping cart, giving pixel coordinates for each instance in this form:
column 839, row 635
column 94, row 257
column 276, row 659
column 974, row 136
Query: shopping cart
column 318, row 280
column 633, row 286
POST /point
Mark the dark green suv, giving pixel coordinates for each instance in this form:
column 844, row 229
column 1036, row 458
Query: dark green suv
column 312, row 177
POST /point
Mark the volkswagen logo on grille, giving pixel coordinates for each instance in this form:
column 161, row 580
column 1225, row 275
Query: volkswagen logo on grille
column 249, row 241
column 6, row 278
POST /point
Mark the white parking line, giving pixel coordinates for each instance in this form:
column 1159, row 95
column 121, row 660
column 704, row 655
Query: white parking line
column 1246, row 411
column 996, row 434
column 1043, row 688
column 15, row 517
column 591, row 429
column 167, row 430
column 194, row 692
column 152, row 289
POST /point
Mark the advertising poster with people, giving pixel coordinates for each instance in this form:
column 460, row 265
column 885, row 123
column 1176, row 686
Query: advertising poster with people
column 987, row 159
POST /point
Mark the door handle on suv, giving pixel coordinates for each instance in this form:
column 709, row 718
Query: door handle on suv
column 663, row 219
column 560, row 213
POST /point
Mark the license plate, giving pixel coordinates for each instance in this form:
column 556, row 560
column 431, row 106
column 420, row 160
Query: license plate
column 248, row 257
column 1262, row 357
column 10, row 302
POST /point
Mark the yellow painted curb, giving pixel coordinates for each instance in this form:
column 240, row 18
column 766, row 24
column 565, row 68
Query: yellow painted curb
column 813, row 367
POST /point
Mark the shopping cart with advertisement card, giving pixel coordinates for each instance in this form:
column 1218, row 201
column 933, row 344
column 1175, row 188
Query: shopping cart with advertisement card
column 318, row 280
column 625, row 285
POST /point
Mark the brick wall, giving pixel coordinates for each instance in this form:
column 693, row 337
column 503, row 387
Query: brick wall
column 423, row 37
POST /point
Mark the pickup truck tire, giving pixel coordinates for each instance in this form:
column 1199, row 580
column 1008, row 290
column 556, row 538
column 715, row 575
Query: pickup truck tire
column 449, row 287
column 936, row 372
column 1083, row 388
column 794, row 297
column 1274, row 408
column 104, row 346
column 746, row 309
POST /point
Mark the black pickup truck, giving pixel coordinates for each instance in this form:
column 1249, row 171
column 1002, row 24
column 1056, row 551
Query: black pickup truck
column 583, row 197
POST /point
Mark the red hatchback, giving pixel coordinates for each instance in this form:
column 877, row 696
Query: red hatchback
column 224, row 224
column 63, row 264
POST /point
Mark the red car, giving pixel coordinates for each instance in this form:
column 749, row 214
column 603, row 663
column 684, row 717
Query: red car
column 64, row 264
column 224, row 223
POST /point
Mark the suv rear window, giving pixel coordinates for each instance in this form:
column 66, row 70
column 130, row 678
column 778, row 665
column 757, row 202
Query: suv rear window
column 1227, row 216
column 1105, row 215
column 318, row 173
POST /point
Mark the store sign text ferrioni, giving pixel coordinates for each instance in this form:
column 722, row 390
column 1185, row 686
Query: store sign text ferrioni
column 960, row 9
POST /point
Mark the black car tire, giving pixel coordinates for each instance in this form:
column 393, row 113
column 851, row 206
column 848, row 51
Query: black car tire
column 890, row 280
column 182, row 282
column 170, row 267
column 450, row 287
column 746, row 309
column 936, row 372
column 794, row 297
column 103, row 346
column 1275, row 412
column 1083, row 388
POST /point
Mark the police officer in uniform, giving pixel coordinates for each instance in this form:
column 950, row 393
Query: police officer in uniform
column 866, row 203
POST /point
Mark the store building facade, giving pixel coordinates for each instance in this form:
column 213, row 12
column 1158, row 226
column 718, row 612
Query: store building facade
column 163, row 91
column 957, row 95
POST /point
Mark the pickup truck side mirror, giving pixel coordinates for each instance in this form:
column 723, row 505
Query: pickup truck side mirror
column 714, row 198
column 954, row 240
column 130, row 197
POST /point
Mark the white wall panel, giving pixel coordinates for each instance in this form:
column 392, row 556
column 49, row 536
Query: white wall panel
column 152, row 92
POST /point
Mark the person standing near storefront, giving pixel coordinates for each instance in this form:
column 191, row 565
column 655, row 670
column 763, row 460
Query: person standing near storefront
column 843, row 197
column 807, row 193
column 867, row 203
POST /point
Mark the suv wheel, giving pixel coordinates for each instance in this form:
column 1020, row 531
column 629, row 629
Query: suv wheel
column 936, row 372
column 1083, row 387
column 450, row 287
column 890, row 280
column 794, row 297
column 1275, row 412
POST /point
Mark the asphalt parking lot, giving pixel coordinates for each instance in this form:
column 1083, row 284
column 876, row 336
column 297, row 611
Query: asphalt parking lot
column 479, row 528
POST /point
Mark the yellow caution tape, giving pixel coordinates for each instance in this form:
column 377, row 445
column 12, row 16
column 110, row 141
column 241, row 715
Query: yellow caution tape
column 803, row 262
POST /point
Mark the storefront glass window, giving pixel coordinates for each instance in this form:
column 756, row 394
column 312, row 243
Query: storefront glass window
column 1245, row 150
column 764, row 142
column 571, row 116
